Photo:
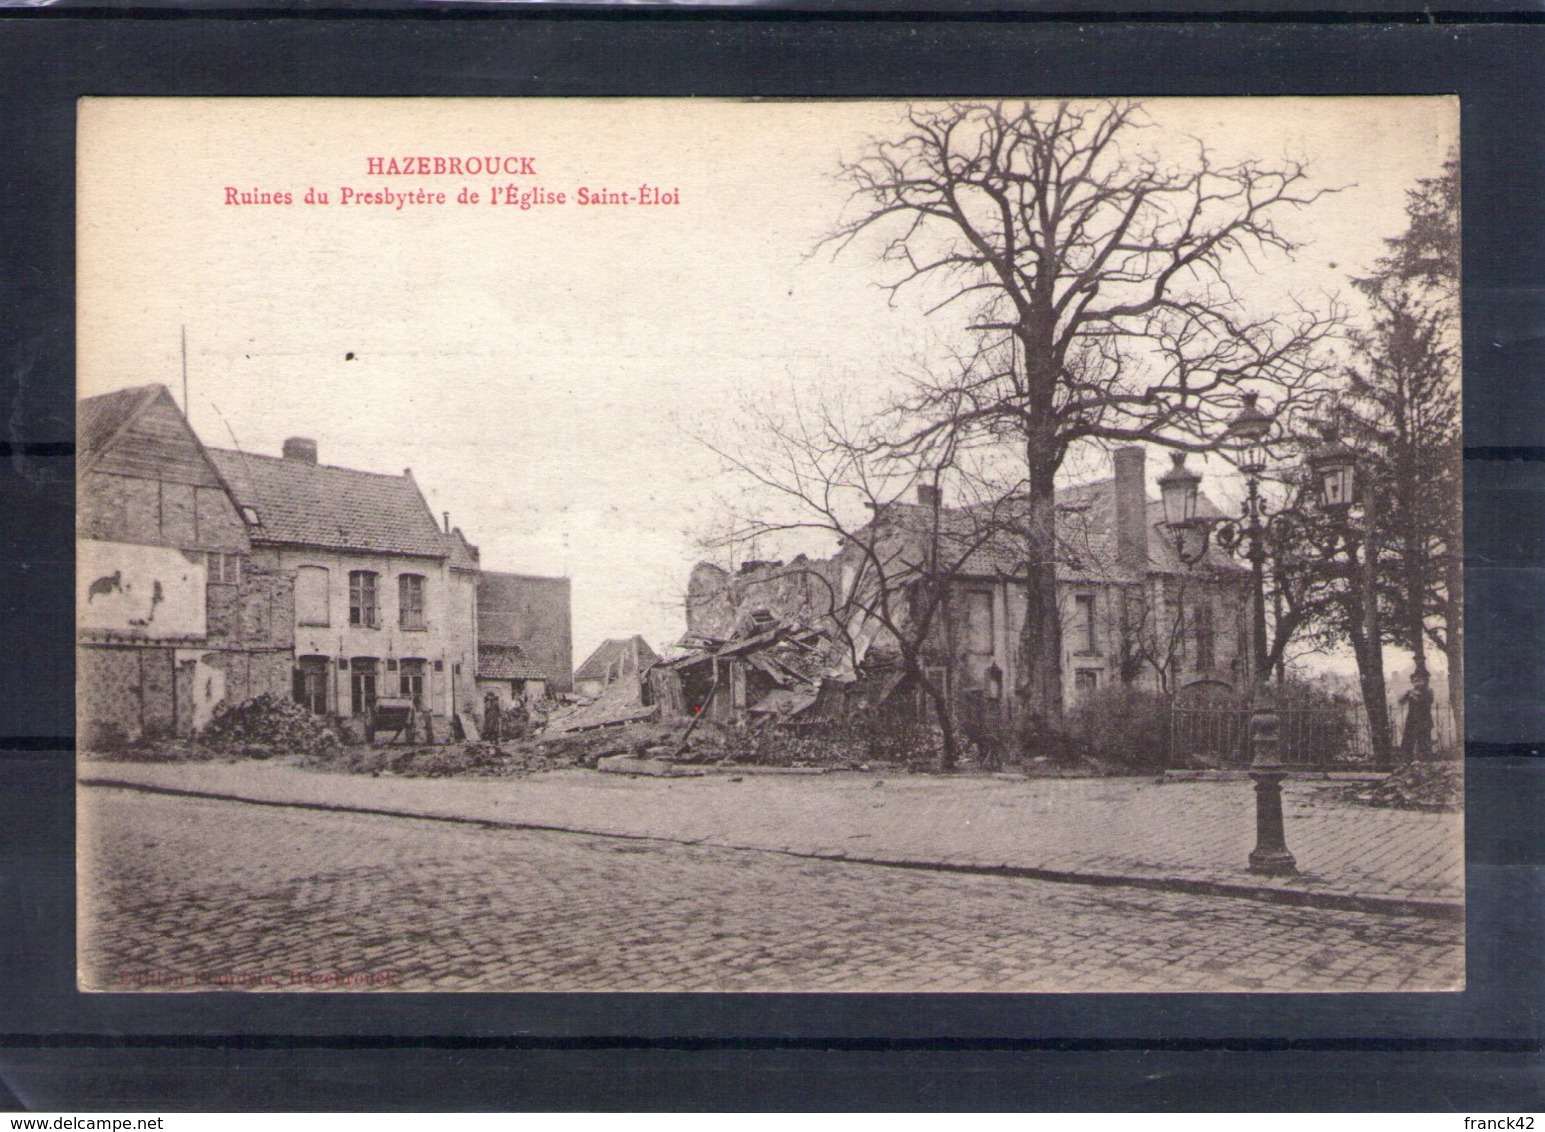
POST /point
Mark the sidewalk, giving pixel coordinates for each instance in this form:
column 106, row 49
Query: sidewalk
column 1179, row 835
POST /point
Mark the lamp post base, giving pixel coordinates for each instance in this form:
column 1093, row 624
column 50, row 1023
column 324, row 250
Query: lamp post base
column 1270, row 857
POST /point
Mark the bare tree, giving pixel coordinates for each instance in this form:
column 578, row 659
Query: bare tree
column 1096, row 285
column 814, row 473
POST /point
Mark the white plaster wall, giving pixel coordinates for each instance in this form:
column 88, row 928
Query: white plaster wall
column 153, row 592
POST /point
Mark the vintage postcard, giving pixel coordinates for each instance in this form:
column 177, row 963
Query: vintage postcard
column 678, row 545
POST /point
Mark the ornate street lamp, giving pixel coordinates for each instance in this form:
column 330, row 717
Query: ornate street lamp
column 1252, row 422
column 1249, row 429
column 1248, row 534
column 1335, row 472
column 1178, row 489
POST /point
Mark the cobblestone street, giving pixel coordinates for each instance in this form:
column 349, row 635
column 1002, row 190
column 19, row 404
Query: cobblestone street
column 197, row 894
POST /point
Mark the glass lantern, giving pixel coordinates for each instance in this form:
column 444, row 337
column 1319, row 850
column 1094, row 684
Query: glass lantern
column 1335, row 472
column 1248, row 429
column 1178, row 489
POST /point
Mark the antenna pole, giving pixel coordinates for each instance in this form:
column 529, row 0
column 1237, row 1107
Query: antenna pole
column 185, row 369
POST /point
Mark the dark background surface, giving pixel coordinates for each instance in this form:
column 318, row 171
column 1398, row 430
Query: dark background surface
column 1476, row 1051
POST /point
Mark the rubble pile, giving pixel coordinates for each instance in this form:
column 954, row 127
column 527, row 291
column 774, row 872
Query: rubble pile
column 1434, row 786
column 151, row 751
column 618, row 705
column 268, row 725
column 587, row 748
column 475, row 759
column 776, row 747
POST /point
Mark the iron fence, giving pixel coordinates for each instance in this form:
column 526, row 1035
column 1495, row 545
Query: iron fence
column 1307, row 738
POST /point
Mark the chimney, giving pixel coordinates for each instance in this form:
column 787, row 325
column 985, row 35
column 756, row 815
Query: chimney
column 447, row 517
column 1131, row 511
column 928, row 495
column 301, row 448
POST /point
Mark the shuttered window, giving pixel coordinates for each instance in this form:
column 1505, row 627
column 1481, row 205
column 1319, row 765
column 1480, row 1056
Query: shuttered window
column 410, row 601
column 364, row 600
column 224, row 569
column 1086, row 638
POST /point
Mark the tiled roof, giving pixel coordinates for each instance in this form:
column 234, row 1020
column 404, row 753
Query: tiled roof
column 98, row 419
column 599, row 663
column 463, row 555
column 319, row 505
column 505, row 662
column 1086, row 536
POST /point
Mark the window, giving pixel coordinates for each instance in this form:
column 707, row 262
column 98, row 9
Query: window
column 364, row 608
column 362, row 684
column 311, row 596
column 251, row 516
column 311, row 684
column 224, row 569
column 1086, row 681
column 410, row 680
column 1201, row 622
column 1085, row 637
column 410, row 601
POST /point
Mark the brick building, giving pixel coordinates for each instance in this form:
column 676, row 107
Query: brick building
column 525, row 636
column 173, row 612
column 209, row 575
column 385, row 599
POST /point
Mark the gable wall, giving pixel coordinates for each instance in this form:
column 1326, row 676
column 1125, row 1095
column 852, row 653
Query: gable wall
column 534, row 613
column 154, row 487
column 158, row 445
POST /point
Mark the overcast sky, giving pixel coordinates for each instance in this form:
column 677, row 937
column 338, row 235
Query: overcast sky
column 542, row 370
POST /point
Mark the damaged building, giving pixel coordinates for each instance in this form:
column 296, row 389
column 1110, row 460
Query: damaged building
column 767, row 669
column 174, row 613
column 1133, row 613
column 210, row 575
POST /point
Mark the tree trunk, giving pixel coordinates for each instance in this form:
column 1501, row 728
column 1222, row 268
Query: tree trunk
column 1454, row 639
column 1040, row 648
column 1416, row 736
column 1370, row 678
column 1368, row 646
column 949, row 756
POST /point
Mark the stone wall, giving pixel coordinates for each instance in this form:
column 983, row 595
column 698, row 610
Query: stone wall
column 803, row 591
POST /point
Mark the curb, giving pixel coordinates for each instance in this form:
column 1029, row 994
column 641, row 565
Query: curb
column 1345, row 902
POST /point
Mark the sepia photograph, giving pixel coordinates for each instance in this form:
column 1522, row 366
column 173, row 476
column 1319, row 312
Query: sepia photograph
column 675, row 545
